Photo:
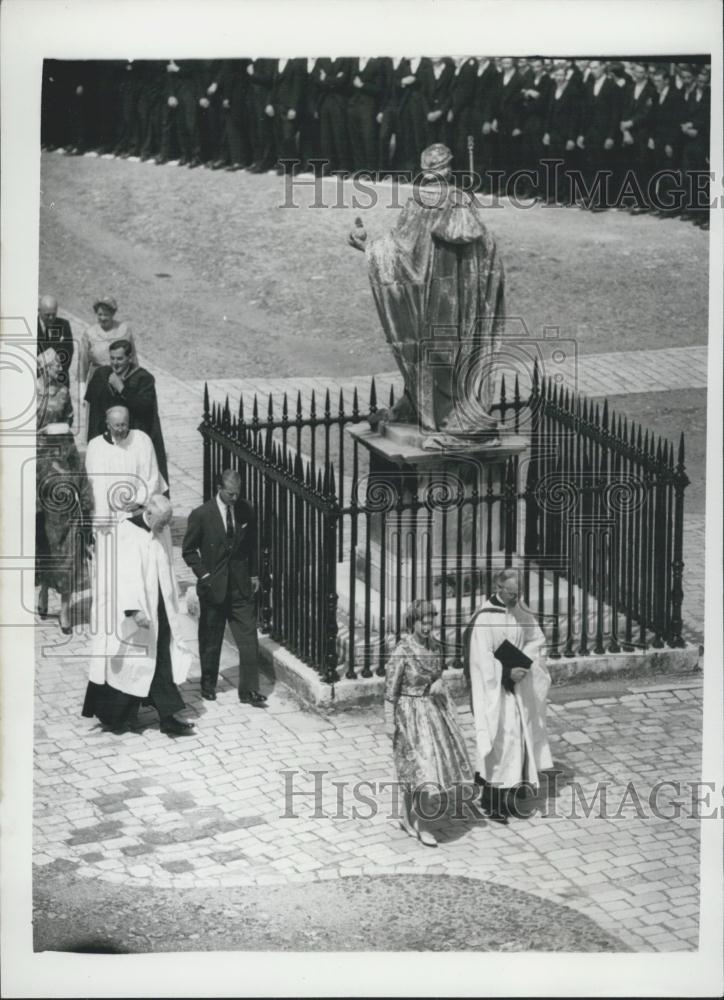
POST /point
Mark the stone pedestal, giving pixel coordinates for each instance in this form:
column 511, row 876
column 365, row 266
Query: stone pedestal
column 423, row 553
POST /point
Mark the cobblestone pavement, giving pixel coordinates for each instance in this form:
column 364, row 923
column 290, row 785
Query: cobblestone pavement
column 616, row 374
column 209, row 811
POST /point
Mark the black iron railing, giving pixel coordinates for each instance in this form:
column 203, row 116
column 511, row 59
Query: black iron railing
column 592, row 513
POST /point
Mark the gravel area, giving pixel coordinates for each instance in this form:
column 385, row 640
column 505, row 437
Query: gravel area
column 375, row 913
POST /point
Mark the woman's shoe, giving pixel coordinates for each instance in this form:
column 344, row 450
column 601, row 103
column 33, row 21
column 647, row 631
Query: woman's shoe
column 66, row 628
column 406, row 828
column 425, row 836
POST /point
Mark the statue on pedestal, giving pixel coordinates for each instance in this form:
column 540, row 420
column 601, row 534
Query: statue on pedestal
column 438, row 284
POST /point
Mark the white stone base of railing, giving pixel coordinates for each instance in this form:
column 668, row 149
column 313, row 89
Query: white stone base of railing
column 349, row 694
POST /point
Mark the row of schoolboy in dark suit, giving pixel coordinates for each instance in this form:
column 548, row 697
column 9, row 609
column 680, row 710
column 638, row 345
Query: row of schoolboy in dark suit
column 345, row 111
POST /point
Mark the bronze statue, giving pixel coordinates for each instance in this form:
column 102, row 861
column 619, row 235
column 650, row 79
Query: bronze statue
column 438, row 284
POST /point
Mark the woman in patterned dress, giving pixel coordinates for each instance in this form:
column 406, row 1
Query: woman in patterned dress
column 62, row 519
column 428, row 747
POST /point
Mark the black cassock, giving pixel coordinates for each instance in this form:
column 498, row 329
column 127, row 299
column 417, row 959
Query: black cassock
column 138, row 396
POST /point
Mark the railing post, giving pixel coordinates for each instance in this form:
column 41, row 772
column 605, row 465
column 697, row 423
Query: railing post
column 330, row 581
column 677, row 589
column 207, row 445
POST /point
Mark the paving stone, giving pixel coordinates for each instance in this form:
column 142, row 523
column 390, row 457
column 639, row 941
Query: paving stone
column 135, row 850
column 177, row 867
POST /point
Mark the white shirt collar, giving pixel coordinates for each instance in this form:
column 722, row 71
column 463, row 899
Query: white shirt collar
column 483, row 66
column 508, row 76
column 282, row 64
column 437, row 69
column 662, row 95
column 414, row 63
column 598, row 84
column 363, row 60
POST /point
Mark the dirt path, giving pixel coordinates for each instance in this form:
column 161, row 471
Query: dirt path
column 209, row 258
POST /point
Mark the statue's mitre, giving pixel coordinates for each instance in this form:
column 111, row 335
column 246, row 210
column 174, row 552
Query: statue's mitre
column 435, row 157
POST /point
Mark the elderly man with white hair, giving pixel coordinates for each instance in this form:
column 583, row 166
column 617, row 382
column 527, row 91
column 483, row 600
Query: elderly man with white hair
column 56, row 333
column 506, row 670
column 122, row 467
column 138, row 655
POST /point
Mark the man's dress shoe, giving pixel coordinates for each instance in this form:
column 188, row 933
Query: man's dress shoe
column 253, row 698
column 494, row 815
column 208, row 695
column 176, row 727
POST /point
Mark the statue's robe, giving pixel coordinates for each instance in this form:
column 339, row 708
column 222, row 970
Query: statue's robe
column 510, row 727
column 438, row 283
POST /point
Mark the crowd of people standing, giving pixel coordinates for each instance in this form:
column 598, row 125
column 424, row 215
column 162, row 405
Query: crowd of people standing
column 504, row 119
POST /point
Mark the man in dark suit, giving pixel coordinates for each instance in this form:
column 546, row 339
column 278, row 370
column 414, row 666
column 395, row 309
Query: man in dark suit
column 233, row 90
column 438, row 75
column 287, row 100
column 333, row 78
column 122, row 384
column 486, row 142
column 506, row 109
column 387, row 116
column 411, row 114
column 56, row 333
column 535, row 94
column 309, row 124
column 220, row 546
column 462, row 99
column 367, row 85
column 208, row 111
column 261, row 74
column 129, row 140
column 180, row 114
column 599, row 131
column 668, row 112
column 635, row 126
column 695, row 153
column 562, row 125
column 151, row 107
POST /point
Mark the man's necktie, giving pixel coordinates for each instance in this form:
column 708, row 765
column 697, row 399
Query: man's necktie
column 229, row 524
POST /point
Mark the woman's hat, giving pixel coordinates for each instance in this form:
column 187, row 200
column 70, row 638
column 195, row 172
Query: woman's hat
column 108, row 301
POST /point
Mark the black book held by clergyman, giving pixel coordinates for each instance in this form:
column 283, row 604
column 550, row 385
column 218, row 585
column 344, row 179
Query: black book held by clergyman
column 510, row 657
